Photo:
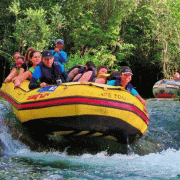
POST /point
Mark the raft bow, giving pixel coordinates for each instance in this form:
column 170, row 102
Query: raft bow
column 79, row 110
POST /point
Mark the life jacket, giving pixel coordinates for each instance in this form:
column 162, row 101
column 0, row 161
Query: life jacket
column 50, row 75
column 93, row 76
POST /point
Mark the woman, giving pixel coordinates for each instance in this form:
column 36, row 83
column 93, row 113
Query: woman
column 35, row 59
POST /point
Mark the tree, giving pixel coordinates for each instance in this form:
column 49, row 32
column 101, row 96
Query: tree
column 93, row 28
column 167, row 33
column 32, row 30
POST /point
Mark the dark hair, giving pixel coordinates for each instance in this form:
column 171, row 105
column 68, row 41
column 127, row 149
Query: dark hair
column 27, row 52
column 32, row 53
column 90, row 64
column 114, row 75
column 100, row 67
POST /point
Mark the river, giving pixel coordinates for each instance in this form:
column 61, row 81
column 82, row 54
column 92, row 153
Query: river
column 156, row 156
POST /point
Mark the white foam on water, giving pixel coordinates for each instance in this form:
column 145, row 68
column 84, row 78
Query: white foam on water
column 162, row 165
column 10, row 145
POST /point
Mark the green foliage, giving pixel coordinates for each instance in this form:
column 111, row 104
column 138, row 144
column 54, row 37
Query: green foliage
column 57, row 23
column 6, row 21
column 167, row 31
column 94, row 28
column 137, row 29
column 32, row 30
column 112, row 32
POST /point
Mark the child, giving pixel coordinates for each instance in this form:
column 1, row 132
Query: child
column 17, row 70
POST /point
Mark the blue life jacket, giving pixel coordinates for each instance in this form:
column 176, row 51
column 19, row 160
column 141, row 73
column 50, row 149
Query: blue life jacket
column 50, row 75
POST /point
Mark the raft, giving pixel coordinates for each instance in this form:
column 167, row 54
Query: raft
column 166, row 89
column 79, row 110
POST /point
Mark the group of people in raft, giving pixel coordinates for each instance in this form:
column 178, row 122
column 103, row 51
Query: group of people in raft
column 48, row 69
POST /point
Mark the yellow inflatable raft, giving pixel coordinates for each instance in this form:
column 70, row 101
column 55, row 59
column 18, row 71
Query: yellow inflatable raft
column 79, row 110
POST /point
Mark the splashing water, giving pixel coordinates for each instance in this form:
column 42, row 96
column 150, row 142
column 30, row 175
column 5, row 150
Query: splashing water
column 154, row 156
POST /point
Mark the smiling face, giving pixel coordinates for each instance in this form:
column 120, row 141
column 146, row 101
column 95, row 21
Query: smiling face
column 36, row 58
column 125, row 78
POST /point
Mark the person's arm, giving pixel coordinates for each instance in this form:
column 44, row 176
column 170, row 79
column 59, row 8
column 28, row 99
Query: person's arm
column 86, row 76
column 142, row 100
column 22, row 78
column 63, row 56
column 135, row 93
column 76, row 77
column 34, row 83
column 73, row 73
column 11, row 75
column 21, row 71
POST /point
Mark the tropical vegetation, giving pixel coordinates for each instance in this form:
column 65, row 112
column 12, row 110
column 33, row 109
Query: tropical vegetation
column 143, row 34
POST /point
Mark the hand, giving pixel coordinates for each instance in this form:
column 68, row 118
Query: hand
column 8, row 79
column 43, row 84
column 17, row 83
column 142, row 100
column 57, row 50
column 14, row 79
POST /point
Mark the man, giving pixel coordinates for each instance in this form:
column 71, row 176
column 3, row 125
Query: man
column 59, row 54
column 123, row 79
column 47, row 72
